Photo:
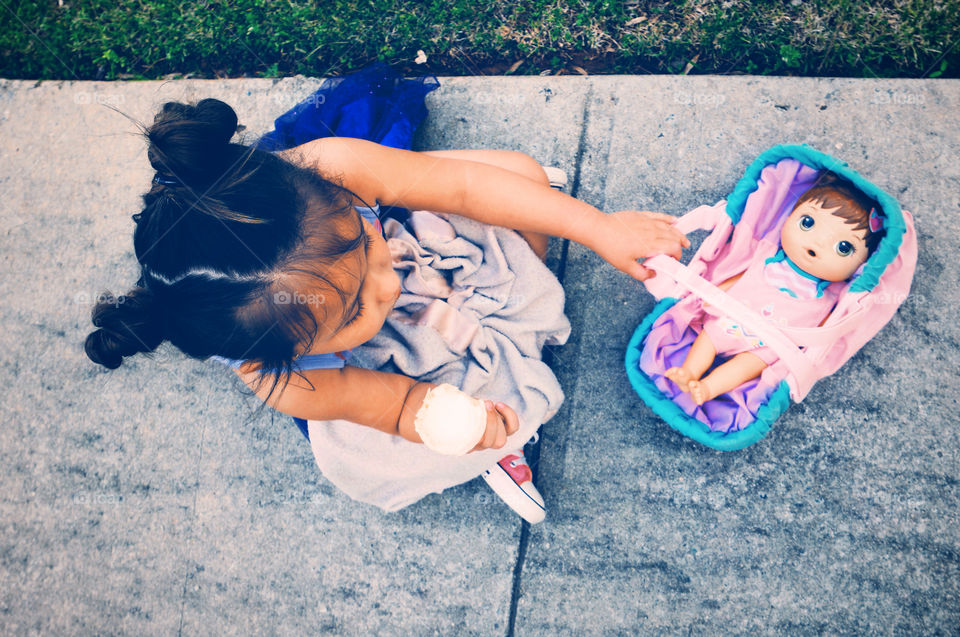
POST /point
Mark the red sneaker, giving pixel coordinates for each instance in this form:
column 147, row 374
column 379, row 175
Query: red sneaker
column 512, row 480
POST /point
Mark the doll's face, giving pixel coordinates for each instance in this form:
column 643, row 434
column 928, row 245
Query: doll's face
column 821, row 243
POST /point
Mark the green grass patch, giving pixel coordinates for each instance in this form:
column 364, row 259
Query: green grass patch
column 100, row 39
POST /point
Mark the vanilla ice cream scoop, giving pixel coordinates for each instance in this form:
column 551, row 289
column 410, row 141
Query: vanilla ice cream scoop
column 450, row 421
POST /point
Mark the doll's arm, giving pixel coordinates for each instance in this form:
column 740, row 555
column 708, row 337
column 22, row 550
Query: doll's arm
column 387, row 402
column 726, row 285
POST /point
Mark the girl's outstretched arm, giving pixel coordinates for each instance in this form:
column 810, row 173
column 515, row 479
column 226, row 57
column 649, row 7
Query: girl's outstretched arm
column 421, row 181
column 384, row 401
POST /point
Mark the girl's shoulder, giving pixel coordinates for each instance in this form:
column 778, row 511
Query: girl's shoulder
column 340, row 160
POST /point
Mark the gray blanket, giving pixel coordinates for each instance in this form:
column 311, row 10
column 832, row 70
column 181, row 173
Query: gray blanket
column 477, row 307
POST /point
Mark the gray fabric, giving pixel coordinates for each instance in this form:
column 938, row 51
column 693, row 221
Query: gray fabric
column 498, row 286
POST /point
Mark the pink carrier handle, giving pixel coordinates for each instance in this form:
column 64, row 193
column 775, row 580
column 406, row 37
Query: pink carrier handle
column 783, row 341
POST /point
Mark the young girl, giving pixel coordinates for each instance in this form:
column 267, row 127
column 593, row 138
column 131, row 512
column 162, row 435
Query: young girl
column 276, row 263
column 830, row 233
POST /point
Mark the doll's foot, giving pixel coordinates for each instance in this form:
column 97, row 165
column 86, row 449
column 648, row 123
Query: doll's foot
column 700, row 391
column 681, row 377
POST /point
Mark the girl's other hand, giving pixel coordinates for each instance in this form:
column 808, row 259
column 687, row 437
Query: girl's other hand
column 630, row 235
column 501, row 422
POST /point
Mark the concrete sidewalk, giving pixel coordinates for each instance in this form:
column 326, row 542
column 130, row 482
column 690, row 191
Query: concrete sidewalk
column 145, row 501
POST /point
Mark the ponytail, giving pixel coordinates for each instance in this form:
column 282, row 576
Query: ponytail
column 128, row 324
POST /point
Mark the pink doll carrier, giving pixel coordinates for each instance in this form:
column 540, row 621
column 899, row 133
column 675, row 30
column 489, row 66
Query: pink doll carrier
column 741, row 227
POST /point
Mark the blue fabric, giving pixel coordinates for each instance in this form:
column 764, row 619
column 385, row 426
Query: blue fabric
column 308, row 361
column 372, row 215
column 375, row 104
column 302, row 426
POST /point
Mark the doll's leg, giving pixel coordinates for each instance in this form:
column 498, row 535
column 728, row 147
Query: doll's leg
column 699, row 359
column 733, row 373
column 518, row 162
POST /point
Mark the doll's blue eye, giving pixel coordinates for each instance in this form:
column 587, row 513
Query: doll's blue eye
column 845, row 249
column 806, row 222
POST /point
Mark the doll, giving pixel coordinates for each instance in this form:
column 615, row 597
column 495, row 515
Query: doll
column 829, row 234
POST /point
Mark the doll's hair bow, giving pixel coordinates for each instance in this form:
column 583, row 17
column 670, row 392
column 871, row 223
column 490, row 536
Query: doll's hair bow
column 876, row 221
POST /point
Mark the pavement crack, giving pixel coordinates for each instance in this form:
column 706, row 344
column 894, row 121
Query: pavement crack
column 517, row 573
column 533, row 456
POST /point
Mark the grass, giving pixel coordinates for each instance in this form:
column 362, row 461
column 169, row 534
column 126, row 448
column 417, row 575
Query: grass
column 136, row 39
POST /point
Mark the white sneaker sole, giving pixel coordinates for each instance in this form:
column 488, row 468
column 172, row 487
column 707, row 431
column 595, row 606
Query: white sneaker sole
column 558, row 178
column 529, row 506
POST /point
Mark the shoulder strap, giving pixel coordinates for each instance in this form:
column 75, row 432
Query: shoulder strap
column 332, row 360
column 372, row 215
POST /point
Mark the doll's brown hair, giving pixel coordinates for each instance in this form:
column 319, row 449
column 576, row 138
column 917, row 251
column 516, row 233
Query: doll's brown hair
column 853, row 206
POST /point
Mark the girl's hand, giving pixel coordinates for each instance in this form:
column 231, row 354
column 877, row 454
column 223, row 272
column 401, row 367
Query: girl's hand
column 501, row 422
column 624, row 237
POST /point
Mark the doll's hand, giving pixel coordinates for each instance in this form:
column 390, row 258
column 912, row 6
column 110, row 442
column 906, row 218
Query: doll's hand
column 629, row 235
column 501, row 422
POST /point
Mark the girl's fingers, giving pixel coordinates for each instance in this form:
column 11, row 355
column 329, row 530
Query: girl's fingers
column 639, row 272
column 670, row 220
column 501, row 423
column 661, row 216
column 511, row 422
column 675, row 251
column 662, row 246
column 501, row 439
column 673, row 242
column 490, row 433
column 494, row 435
column 675, row 235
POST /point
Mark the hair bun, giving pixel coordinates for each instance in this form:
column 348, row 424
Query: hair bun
column 190, row 142
column 221, row 117
column 128, row 324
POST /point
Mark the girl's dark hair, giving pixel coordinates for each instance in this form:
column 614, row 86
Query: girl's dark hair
column 853, row 206
column 229, row 240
